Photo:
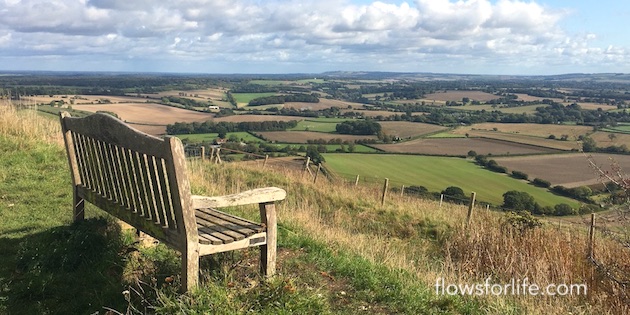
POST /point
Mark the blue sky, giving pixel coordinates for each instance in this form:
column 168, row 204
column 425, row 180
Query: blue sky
column 313, row 36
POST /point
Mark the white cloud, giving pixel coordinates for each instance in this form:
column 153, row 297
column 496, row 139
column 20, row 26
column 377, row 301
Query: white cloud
column 313, row 35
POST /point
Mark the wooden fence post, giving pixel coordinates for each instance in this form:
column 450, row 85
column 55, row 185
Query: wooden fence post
column 203, row 153
column 402, row 190
column 441, row 199
column 487, row 207
column 308, row 162
column 266, row 158
column 591, row 237
column 356, row 181
column 385, row 186
column 470, row 207
column 219, row 156
column 319, row 167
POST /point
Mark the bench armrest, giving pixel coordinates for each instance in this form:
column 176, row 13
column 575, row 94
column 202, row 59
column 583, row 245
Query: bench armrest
column 259, row 195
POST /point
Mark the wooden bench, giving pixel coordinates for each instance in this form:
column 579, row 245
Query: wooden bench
column 142, row 180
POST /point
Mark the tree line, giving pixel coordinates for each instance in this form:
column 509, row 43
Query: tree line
column 225, row 127
column 281, row 99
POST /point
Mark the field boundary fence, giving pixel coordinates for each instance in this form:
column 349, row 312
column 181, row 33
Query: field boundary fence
column 613, row 277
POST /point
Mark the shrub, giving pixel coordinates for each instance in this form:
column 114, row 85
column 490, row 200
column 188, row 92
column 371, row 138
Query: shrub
column 519, row 175
column 541, row 183
column 563, row 209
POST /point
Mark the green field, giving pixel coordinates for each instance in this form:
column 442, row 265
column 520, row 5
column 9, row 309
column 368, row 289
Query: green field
column 621, row 128
column 316, row 125
column 244, row 98
column 209, row 137
column 358, row 148
column 436, row 173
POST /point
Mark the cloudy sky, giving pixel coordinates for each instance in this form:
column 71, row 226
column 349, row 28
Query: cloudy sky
column 313, row 36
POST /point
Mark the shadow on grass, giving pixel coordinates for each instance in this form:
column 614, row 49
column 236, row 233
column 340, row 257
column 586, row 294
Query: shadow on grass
column 74, row 269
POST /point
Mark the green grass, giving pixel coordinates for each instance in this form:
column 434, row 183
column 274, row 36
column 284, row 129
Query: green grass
column 316, row 125
column 358, row 148
column 328, row 120
column 244, row 98
column 436, row 173
column 47, row 265
column 209, row 137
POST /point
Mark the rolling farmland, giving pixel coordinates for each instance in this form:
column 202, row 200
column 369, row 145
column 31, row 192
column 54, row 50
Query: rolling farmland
column 435, row 173
column 461, row 146
column 304, row 136
column 570, row 170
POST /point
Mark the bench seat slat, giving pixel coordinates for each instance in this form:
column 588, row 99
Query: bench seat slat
column 225, row 229
column 214, row 231
column 244, row 224
column 209, row 222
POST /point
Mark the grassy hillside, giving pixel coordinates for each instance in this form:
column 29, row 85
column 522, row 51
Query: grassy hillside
column 437, row 173
column 340, row 250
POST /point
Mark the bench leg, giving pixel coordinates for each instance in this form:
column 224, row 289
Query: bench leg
column 78, row 207
column 190, row 267
column 268, row 251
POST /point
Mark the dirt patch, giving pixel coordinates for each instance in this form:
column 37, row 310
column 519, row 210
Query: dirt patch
column 149, row 113
column 537, row 130
column 461, row 146
column 304, row 136
column 406, row 129
column 570, row 170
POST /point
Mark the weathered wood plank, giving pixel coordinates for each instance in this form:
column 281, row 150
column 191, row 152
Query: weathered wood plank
column 254, row 240
column 224, row 218
column 109, row 129
column 93, row 160
column 156, row 191
column 140, row 186
column 180, row 190
column 80, row 159
column 123, row 176
column 268, row 251
column 253, row 196
column 235, row 232
column 166, row 196
column 131, row 181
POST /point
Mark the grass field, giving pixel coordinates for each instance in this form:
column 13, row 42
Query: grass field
column 358, row 148
column 457, row 96
column 461, row 146
column 536, row 130
column 316, row 125
column 304, row 136
column 556, row 144
column 245, row 117
column 243, row 98
column 209, row 137
column 436, row 173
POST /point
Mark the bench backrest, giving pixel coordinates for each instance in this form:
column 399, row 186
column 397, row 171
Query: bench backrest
column 134, row 176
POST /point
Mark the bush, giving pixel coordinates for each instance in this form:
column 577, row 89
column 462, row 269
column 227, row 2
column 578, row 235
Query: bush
column 519, row 175
column 563, row 209
column 541, row 183
column 519, row 200
column 455, row 193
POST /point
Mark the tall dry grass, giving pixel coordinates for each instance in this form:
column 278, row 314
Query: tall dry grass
column 28, row 125
column 433, row 242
